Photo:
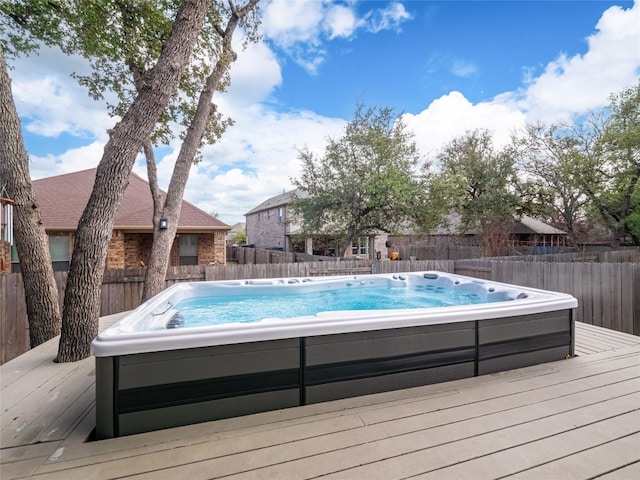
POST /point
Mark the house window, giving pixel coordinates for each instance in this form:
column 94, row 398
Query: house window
column 188, row 249
column 280, row 214
column 359, row 246
column 59, row 250
column 15, row 261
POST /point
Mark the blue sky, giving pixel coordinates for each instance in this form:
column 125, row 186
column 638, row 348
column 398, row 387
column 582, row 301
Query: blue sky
column 449, row 66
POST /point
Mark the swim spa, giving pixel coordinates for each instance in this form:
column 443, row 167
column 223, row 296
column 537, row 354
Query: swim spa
column 155, row 371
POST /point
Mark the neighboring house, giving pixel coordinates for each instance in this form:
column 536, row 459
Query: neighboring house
column 200, row 238
column 239, row 227
column 271, row 226
column 524, row 231
column 529, row 231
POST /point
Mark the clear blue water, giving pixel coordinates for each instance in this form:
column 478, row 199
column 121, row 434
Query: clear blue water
column 203, row 311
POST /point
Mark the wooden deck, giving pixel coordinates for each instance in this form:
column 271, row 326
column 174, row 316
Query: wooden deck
column 577, row 418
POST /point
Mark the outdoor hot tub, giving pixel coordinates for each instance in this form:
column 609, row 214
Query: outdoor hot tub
column 156, row 370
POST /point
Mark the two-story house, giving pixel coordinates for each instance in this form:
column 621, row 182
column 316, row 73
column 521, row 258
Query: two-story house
column 271, row 225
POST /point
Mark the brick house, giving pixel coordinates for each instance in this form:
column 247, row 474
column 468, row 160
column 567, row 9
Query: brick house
column 200, row 238
column 271, row 225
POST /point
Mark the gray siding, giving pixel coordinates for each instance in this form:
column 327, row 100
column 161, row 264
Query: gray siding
column 149, row 391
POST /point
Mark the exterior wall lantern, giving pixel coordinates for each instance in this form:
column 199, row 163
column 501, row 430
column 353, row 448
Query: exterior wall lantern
column 164, row 223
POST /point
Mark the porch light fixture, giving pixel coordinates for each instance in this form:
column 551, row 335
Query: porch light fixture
column 164, row 223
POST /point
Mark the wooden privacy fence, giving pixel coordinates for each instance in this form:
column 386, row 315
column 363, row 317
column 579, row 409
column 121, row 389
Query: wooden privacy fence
column 631, row 255
column 244, row 255
column 608, row 293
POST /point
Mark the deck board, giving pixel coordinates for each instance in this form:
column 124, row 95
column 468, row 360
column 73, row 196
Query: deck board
column 580, row 416
column 632, row 470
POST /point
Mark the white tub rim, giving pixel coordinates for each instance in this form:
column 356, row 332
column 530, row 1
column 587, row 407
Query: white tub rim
column 120, row 339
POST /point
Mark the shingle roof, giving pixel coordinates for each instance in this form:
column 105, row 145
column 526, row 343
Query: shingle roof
column 522, row 226
column 62, row 200
column 277, row 201
column 528, row 225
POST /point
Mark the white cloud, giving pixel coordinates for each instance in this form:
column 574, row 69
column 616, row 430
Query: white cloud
column 389, row 18
column 287, row 22
column 50, row 102
column 452, row 115
column 72, row 160
column 576, row 84
column 340, row 21
column 568, row 86
column 255, row 160
column 463, row 69
column 299, row 28
column 254, row 75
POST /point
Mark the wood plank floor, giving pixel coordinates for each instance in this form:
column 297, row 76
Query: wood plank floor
column 577, row 418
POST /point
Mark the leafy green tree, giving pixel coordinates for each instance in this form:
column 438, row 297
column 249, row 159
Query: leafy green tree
column 124, row 42
column 240, row 238
column 368, row 180
column 70, row 21
column 555, row 164
column 476, row 181
column 612, row 184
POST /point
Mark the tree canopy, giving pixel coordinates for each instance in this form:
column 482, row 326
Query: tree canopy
column 122, row 42
column 368, row 180
column 612, row 185
column 82, row 295
column 163, row 60
column 554, row 162
column 476, row 181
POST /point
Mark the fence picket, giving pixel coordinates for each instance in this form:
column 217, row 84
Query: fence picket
column 616, row 293
column 626, row 294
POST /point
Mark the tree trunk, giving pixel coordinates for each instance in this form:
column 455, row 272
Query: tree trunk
column 163, row 239
column 494, row 236
column 82, row 296
column 347, row 242
column 155, row 282
column 41, row 294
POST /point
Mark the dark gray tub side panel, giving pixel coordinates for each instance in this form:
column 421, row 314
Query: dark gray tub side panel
column 148, row 420
column 208, row 362
column 360, row 346
column 361, row 363
column 500, row 329
column 521, row 341
column 366, row 386
column 106, row 389
column 521, row 360
column 147, row 379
